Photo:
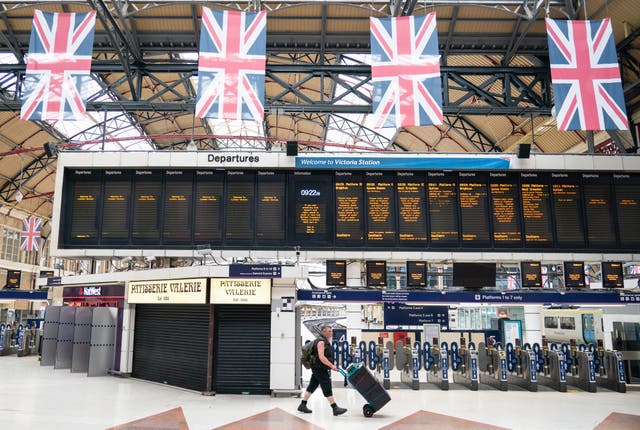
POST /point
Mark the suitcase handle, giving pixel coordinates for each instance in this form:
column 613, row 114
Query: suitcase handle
column 342, row 372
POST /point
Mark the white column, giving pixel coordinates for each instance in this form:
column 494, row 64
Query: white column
column 532, row 325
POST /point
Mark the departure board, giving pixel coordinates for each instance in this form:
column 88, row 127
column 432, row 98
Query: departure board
column 612, row 275
column 416, row 274
column 336, row 273
column 534, row 191
column 381, row 208
column 599, row 209
column 349, row 205
column 412, row 208
column 178, row 196
column 147, row 198
column 627, row 191
column 567, row 205
column 208, row 207
column 531, row 274
column 474, row 204
column 312, row 202
column 83, row 227
column 271, row 216
column 239, row 211
column 13, row 279
column 376, row 273
column 443, row 208
column 574, row 274
column 116, row 205
column 505, row 209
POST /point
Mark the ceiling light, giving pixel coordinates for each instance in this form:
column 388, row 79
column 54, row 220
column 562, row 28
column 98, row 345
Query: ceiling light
column 191, row 146
column 18, row 196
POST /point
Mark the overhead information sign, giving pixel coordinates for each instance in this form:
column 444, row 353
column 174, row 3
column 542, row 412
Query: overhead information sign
column 171, row 291
column 404, row 163
column 255, row 271
column 240, row 291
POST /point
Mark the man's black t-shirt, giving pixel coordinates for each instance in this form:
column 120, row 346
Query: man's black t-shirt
column 328, row 352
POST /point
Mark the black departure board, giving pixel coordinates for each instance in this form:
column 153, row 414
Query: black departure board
column 381, row 208
column 147, row 200
column 567, row 205
column 13, row 278
column 531, row 274
column 574, row 274
column 612, row 275
column 598, row 210
column 627, row 192
column 239, row 201
column 336, row 273
column 412, row 208
column 209, row 195
column 376, row 273
column 271, row 206
column 83, row 228
column 349, row 204
column 116, row 205
column 178, row 196
column 474, row 204
column 416, row 274
column 506, row 216
column 442, row 190
column 536, row 214
column 312, row 204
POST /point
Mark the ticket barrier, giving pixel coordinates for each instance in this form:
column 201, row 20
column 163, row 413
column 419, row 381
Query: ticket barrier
column 580, row 367
column 521, row 364
column 27, row 340
column 609, row 369
column 550, row 365
column 492, row 362
column 7, row 340
column 409, row 373
column 464, row 364
column 438, row 369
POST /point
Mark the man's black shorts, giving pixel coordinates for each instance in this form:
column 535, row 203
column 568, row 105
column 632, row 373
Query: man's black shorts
column 322, row 377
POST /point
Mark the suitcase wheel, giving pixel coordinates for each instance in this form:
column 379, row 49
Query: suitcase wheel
column 367, row 411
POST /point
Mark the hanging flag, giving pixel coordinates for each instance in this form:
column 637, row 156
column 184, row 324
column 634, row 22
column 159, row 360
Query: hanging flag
column 405, row 71
column 586, row 76
column 58, row 66
column 30, row 235
column 231, row 65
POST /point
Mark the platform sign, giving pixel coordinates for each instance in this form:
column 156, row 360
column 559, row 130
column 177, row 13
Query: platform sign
column 46, row 274
column 169, row 291
column 255, row 271
column 531, row 273
column 612, row 276
column 416, row 273
column 376, row 274
column 574, row 274
column 336, row 273
column 13, row 278
column 240, row 291
column 408, row 317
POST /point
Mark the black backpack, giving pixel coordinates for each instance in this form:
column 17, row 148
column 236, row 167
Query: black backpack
column 308, row 354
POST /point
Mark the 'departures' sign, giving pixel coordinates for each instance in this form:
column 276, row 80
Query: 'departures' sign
column 237, row 291
column 191, row 291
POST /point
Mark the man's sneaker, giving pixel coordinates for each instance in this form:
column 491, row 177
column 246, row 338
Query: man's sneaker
column 338, row 411
column 304, row 408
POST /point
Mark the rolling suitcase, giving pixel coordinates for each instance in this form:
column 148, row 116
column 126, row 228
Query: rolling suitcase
column 367, row 385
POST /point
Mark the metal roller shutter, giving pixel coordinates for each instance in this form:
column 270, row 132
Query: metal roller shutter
column 170, row 344
column 242, row 349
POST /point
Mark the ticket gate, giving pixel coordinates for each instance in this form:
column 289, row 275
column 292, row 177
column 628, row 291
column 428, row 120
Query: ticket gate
column 492, row 362
column 464, row 364
column 438, row 369
column 609, row 369
column 521, row 364
column 580, row 367
column 409, row 374
column 27, row 341
column 7, row 341
column 550, row 365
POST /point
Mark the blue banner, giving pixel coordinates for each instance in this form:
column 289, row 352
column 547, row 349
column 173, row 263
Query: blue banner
column 402, row 163
column 23, row 295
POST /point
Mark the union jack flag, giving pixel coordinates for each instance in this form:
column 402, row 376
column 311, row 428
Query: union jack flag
column 585, row 76
column 58, row 66
column 231, row 65
column 405, row 71
column 30, row 235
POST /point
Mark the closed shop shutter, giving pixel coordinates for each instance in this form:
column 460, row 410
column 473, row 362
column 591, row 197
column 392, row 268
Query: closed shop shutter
column 242, row 349
column 170, row 345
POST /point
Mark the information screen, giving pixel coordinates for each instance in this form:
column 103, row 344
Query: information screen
column 349, row 208
column 208, row 206
column 412, row 208
column 474, row 204
column 443, row 208
column 534, row 190
column 336, row 273
column 567, row 203
column 13, row 278
column 531, row 273
column 312, row 203
column 116, row 205
column 147, row 197
column 416, row 274
column 381, row 208
column 598, row 210
column 627, row 191
column 270, row 222
column 178, row 198
column 239, row 210
column 83, row 226
column 612, row 275
column 574, row 274
column 505, row 209
column 376, row 273
column 474, row 275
